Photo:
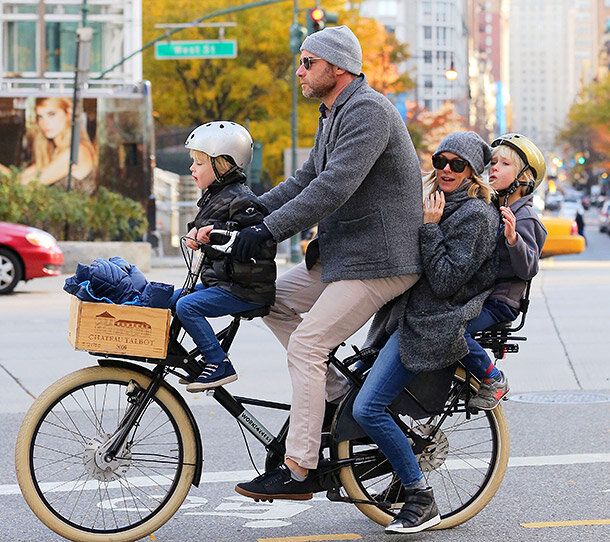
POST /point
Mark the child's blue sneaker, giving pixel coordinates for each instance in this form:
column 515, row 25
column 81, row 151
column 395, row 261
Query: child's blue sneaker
column 213, row 375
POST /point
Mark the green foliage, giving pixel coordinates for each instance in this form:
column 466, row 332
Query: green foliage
column 587, row 128
column 108, row 216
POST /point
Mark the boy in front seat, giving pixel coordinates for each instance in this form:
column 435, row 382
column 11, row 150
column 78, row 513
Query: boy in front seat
column 517, row 169
column 220, row 151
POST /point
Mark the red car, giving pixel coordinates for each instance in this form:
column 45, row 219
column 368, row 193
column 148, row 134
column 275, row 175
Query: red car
column 26, row 253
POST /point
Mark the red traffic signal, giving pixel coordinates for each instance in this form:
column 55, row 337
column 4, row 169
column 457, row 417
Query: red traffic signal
column 316, row 20
column 317, row 14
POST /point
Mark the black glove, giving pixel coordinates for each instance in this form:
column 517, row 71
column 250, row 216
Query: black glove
column 248, row 240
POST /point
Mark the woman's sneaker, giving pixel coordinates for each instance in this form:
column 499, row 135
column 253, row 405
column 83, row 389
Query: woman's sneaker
column 491, row 391
column 213, row 375
column 418, row 513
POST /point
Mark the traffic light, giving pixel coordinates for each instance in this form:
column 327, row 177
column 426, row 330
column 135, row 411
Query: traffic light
column 316, row 20
column 297, row 34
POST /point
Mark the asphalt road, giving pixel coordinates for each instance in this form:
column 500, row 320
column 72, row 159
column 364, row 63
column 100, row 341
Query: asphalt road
column 557, row 486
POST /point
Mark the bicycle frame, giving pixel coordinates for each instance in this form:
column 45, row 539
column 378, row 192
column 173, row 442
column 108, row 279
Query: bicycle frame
column 344, row 426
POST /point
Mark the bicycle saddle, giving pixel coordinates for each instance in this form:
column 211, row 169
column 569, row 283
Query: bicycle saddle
column 254, row 313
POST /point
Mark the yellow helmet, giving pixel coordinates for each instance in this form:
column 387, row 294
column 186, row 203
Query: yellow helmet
column 529, row 153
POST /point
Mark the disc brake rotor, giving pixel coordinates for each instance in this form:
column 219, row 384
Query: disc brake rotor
column 100, row 469
column 435, row 453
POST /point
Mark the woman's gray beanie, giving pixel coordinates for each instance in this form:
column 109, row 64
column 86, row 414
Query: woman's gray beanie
column 469, row 146
column 338, row 45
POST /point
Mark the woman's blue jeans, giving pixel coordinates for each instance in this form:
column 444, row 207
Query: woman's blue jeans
column 192, row 310
column 493, row 312
column 384, row 382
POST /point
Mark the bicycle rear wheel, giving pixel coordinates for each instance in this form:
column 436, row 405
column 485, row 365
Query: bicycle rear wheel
column 71, row 487
column 464, row 465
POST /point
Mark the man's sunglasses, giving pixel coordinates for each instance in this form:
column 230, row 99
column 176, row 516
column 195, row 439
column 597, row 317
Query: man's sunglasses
column 457, row 165
column 307, row 60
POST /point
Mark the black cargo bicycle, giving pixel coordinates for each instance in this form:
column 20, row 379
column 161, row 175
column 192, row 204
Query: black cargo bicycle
column 112, row 450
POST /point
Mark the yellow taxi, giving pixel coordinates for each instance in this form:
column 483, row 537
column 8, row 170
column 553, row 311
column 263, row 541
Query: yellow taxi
column 562, row 237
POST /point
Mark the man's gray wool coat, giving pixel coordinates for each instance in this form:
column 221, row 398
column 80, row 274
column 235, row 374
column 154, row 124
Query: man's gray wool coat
column 460, row 266
column 361, row 184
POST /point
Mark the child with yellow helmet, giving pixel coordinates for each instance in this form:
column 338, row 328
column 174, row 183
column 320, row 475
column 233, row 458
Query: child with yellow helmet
column 517, row 168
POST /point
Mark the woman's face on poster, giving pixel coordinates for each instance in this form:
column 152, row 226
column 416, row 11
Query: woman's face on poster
column 52, row 120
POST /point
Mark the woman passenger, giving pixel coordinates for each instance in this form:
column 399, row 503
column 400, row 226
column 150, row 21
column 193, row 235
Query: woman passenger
column 457, row 242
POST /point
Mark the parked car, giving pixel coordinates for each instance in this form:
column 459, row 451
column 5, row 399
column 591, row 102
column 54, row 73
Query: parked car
column 604, row 217
column 562, row 237
column 26, row 253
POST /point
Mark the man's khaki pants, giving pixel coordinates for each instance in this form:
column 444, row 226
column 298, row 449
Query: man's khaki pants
column 333, row 312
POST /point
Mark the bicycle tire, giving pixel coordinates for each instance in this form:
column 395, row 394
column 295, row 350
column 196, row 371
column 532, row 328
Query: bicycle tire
column 57, row 469
column 454, row 509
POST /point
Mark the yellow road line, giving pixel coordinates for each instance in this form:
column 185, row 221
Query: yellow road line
column 314, row 538
column 576, row 522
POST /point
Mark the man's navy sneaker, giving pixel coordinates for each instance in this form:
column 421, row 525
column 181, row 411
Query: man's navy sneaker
column 212, row 376
column 276, row 484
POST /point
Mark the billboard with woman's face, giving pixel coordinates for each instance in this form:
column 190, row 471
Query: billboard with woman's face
column 114, row 147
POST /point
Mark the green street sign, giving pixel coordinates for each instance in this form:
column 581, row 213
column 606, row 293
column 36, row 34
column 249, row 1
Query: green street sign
column 196, row 49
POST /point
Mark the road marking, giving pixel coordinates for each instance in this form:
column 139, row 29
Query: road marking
column 313, row 538
column 573, row 523
column 241, row 475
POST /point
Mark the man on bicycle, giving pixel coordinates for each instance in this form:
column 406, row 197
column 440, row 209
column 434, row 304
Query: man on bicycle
column 362, row 185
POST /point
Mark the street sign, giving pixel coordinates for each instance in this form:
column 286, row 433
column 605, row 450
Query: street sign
column 174, row 50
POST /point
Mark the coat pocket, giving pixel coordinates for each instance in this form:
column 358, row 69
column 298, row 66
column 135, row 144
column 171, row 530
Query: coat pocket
column 364, row 240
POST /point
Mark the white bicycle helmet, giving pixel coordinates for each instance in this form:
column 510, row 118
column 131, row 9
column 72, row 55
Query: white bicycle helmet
column 222, row 138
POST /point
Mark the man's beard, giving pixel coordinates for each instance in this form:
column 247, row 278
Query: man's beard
column 323, row 86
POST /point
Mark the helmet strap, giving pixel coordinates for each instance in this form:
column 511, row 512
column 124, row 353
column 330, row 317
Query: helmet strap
column 512, row 188
column 220, row 177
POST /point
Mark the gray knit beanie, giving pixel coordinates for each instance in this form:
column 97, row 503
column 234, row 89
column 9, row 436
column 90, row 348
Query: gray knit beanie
column 469, row 146
column 338, row 45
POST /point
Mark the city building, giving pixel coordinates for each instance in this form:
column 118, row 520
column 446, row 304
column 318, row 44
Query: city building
column 552, row 54
column 37, row 38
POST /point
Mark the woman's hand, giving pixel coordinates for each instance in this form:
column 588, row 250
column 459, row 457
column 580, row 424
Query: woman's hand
column 433, row 207
column 509, row 225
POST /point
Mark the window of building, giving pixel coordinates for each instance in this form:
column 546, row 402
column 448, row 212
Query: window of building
column 427, row 32
column 428, row 105
column 441, row 35
column 428, row 57
column 19, row 22
column 427, row 83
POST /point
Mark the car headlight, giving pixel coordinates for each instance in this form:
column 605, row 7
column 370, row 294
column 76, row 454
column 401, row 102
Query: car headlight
column 41, row 239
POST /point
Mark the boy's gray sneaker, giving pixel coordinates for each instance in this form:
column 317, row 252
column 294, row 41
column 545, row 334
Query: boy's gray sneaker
column 491, row 391
column 418, row 513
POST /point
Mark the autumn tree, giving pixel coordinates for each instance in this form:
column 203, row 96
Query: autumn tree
column 587, row 128
column 256, row 87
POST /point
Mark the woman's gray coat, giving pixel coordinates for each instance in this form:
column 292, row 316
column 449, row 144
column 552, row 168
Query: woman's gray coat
column 460, row 266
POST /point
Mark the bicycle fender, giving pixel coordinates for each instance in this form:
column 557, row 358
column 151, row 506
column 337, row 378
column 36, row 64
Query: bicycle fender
column 344, row 426
column 147, row 372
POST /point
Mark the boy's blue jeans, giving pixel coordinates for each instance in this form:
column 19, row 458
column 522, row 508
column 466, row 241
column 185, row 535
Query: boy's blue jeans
column 192, row 310
column 384, row 382
column 493, row 312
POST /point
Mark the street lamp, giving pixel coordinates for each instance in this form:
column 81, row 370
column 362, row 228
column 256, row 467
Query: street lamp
column 451, row 74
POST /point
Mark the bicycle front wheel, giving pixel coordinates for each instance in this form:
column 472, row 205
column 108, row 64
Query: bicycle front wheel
column 69, row 484
column 464, row 464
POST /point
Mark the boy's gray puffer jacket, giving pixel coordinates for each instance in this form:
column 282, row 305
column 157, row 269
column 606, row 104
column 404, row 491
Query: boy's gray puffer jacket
column 233, row 204
column 519, row 263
